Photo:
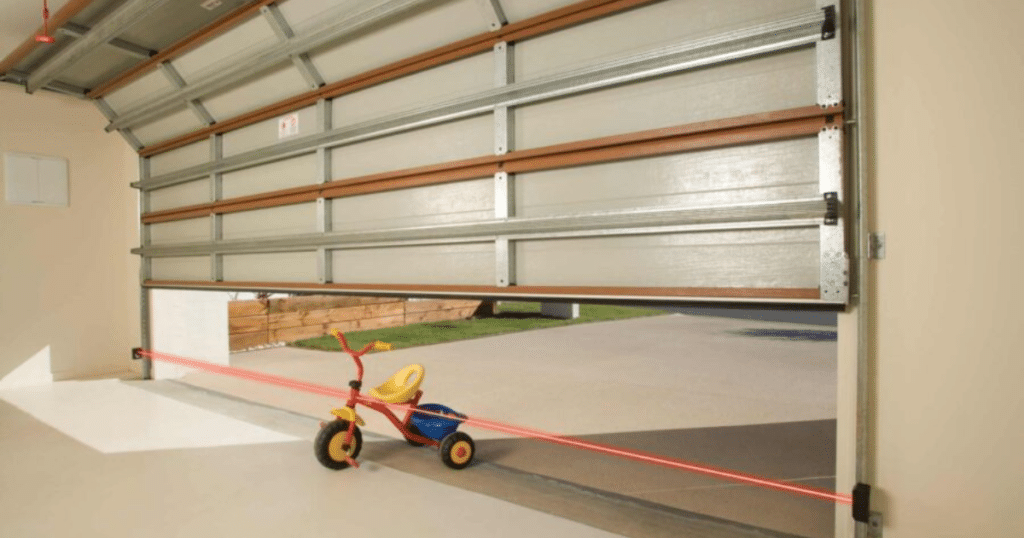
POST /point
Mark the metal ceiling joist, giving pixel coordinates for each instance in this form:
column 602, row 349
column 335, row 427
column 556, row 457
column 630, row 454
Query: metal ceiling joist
column 494, row 13
column 178, row 81
column 19, row 77
column 232, row 71
column 62, row 16
column 284, row 33
column 77, row 31
column 110, row 114
column 782, row 35
column 112, row 25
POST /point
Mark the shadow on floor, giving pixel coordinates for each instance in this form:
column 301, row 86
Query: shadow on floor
column 532, row 473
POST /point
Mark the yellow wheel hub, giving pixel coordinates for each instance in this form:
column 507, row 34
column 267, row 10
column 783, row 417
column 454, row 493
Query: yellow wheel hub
column 461, row 452
column 337, row 449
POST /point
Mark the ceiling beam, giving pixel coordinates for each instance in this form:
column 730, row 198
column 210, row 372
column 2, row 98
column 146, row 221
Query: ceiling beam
column 77, row 31
column 56, row 21
column 19, row 77
column 130, row 13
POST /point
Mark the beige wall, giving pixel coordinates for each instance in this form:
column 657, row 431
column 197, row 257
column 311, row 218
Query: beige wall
column 947, row 184
column 67, row 278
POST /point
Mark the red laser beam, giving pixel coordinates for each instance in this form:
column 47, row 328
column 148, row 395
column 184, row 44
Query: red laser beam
column 635, row 455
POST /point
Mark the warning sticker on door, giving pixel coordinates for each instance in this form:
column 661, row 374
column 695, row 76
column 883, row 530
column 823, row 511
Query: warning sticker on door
column 287, row 126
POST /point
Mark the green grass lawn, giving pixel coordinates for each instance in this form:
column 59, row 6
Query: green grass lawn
column 509, row 318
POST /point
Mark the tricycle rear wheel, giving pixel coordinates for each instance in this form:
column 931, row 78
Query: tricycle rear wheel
column 457, row 450
column 330, row 447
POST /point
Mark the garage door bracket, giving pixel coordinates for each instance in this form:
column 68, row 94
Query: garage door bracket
column 828, row 27
column 831, row 208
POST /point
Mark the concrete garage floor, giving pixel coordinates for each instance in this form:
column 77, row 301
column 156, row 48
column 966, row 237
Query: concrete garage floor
column 726, row 392
column 687, row 387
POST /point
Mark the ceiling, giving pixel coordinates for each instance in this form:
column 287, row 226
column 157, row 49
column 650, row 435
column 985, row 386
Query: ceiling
column 163, row 24
column 19, row 20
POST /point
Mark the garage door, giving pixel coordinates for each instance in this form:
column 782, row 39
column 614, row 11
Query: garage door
column 674, row 150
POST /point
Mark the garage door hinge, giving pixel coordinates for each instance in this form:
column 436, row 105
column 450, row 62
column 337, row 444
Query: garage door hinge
column 831, row 208
column 828, row 28
column 862, row 510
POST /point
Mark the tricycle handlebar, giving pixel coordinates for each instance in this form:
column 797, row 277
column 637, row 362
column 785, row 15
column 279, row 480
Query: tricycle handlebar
column 356, row 354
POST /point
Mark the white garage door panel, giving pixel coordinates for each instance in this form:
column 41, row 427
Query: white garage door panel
column 235, row 43
column 471, row 263
column 654, row 25
column 177, row 123
column 179, row 159
column 442, row 83
column 432, row 145
column 292, row 172
column 276, row 267
column 265, row 133
column 774, row 83
column 138, row 91
column 302, row 13
column 186, row 194
column 761, row 259
column 181, row 231
column 189, row 268
column 262, row 89
column 442, row 23
column 774, row 171
column 676, row 150
column 465, row 201
column 275, row 221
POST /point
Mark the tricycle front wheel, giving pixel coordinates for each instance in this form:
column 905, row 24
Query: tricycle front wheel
column 457, row 450
column 330, row 447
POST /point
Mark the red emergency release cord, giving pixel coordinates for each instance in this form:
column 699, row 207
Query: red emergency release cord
column 45, row 37
column 643, row 457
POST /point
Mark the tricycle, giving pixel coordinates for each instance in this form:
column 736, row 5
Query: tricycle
column 339, row 441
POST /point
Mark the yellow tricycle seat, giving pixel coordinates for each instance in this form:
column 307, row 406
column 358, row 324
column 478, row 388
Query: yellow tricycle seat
column 401, row 387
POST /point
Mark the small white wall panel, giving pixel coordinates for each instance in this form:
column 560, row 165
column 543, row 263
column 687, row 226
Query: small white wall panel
column 465, row 201
column 471, row 263
column 431, row 145
column 271, row 222
column 36, row 180
column 272, row 176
